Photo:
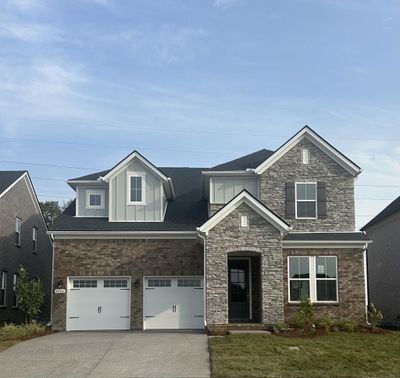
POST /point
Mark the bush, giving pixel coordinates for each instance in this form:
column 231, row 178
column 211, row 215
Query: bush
column 348, row 325
column 304, row 316
column 374, row 315
column 14, row 332
column 30, row 294
column 280, row 327
column 325, row 322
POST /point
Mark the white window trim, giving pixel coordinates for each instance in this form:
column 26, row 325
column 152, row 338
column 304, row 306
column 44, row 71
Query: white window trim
column 128, row 188
column 316, row 199
column 100, row 192
column 3, row 286
column 313, row 279
column 18, row 221
column 305, row 156
column 35, row 233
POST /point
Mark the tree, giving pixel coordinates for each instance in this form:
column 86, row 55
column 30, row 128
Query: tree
column 30, row 294
column 52, row 209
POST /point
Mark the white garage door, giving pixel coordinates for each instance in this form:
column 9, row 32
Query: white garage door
column 98, row 303
column 173, row 303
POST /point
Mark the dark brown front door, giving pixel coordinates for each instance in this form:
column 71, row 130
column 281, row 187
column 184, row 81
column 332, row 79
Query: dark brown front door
column 239, row 290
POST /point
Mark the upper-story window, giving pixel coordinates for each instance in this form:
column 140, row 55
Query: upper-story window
column 136, row 189
column 95, row 199
column 18, row 226
column 34, row 239
column 306, row 200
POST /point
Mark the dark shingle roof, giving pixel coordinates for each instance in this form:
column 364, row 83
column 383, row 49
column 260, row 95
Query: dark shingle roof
column 7, row 178
column 252, row 160
column 187, row 211
column 92, row 176
column 326, row 236
column 389, row 210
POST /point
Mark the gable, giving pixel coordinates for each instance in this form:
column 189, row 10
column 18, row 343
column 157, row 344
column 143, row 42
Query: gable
column 307, row 133
column 245, row 198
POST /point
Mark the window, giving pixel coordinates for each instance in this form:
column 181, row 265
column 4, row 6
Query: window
column 95, row 199
column 189, row 282
column 18, row 226
column 15, row 300
column 158, row 282
column 136, row 192
column 115, row 283
column 34, row 240
column 306, row 200
column 305, row 156
column 77, row 284
column 244, row 221
column 3, row 288
column 313, row 277
column 299, row 278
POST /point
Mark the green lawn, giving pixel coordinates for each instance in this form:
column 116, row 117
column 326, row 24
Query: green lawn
column 333, row 355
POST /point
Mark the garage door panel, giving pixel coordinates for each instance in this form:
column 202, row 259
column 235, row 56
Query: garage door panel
column 179, row 305
column 95, row 307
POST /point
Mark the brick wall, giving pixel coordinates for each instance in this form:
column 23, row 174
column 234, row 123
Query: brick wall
column 135, row 258
column 18, row 203
column 351, row 284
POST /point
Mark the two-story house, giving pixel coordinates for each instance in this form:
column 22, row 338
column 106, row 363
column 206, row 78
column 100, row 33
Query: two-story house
column 23, row 241
column 146, row 247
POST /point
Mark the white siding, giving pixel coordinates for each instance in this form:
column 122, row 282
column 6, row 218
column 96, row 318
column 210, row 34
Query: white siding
column 223, row 189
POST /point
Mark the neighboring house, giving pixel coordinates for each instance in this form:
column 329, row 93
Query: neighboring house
column 383, row 257
column 146, row 247
column 23, row 241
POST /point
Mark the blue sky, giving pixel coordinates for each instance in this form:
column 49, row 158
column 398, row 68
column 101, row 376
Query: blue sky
column 198, row 82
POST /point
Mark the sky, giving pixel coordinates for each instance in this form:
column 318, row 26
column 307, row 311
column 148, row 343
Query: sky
column 196, row 83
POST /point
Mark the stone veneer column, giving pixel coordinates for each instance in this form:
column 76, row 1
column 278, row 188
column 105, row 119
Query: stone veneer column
column 260, row 237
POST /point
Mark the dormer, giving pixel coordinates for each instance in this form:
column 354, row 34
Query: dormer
column 134, row 190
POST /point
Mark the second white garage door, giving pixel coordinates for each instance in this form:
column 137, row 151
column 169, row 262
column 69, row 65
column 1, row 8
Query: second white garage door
column 173, row 303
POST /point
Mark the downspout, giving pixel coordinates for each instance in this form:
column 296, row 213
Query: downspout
column 366, row 281
column 204, row 277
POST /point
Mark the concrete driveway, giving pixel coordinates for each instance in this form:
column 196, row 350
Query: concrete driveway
column 109, row 354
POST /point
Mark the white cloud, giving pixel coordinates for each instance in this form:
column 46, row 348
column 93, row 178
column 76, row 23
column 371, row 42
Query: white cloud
column 29, row 32
column 224, row 4
column 26, row 5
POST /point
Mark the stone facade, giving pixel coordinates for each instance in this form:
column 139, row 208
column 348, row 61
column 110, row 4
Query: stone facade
column 227, row 238
column 351, row 284
column 134, row 258
column 339, row 188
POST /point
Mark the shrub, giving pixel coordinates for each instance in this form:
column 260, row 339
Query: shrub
column 12, row 331
column 348, row 325
column 30, row 294
column 304, row 316
column 280, row 327
column 374, row 315
column 325, row 322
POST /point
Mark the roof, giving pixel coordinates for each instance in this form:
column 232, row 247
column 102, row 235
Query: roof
column 251, row 161
column 185, row 213
column 245, row 197
column 326, row 236
column 321, row 143
column 7, row 178
column 389, row 210
column 92, row 176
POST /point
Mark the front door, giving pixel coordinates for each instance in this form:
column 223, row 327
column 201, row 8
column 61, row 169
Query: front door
column 239, row 290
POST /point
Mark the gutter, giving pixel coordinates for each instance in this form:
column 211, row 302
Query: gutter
column 123, row 234
column 325, row 244
column 204, row 278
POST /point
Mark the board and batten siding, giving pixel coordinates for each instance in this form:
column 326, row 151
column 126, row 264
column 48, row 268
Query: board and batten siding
column 121, row 211
column 81, row 195
column 223, row 189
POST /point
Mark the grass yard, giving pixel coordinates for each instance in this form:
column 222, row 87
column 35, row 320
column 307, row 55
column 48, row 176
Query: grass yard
column 333, row 355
